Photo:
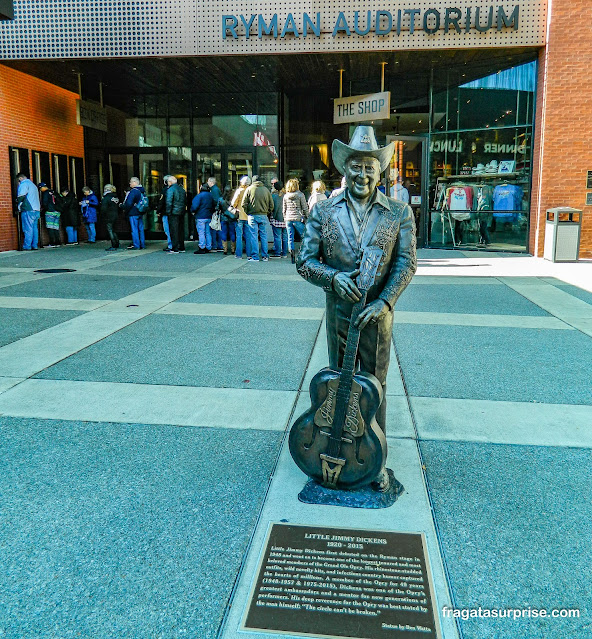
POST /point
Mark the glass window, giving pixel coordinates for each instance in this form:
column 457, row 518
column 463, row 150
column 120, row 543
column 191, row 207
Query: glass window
column 179, row 132
column 151, row 177
column 180, row 165
column 208, row 165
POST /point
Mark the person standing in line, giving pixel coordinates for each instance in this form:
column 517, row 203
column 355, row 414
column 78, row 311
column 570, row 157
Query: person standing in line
column 399, row 192
column 228, row 224
column 109, row 211
column 202, row 208
column 216, row 235
column 242, row 224
column 163, row 214
column 278, row 225
column 317, row 194
column 258, row 205
column 88, row 207
column 52, row 216
column 176, row 203
column 339, row 189
column 68, row 206
column 30, row 210
column 133, row 198
column 295, row 211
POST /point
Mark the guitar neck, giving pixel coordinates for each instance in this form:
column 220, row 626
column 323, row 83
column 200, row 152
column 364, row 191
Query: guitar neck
column 346, row 378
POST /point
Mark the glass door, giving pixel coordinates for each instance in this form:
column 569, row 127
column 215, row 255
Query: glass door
column 151, row 174
column 207, row 165
column 238, row 163
column 409, row 162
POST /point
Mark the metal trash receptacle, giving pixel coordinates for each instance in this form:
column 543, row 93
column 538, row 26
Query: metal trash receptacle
column 562, row 234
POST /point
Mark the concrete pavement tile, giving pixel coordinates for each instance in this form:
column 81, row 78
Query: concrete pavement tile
column 410, row 513
column 504, row 364
column 494, row 321
column 476, row 299
column 515, row 528
column 71, row 285
column 160, row 261
column 32, row 354
column 50, row 303
column 176, row 350
column 522, row 423
column 125, row 530
column 148, row 404
column 7, row 383
column 243, row 310
column 18, row 323
column 257, row 293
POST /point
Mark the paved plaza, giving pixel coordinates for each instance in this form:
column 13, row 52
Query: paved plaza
column 144, row 406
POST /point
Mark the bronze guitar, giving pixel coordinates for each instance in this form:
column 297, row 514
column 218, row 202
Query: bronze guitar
column 337, row 441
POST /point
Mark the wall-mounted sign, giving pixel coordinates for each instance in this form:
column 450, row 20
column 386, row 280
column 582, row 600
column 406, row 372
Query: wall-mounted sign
column 92, row 115
column 362, row 108
column 588, row 199
column 589, row 180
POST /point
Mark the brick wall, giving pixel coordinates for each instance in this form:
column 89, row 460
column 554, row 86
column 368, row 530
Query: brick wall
column 34, row 115
column 562, row 147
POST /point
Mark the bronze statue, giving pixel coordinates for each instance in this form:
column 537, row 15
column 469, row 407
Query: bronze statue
column 342, row 235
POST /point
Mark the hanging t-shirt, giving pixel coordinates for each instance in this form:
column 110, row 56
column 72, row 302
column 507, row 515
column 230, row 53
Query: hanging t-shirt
column 460, row 198
column 507, row 197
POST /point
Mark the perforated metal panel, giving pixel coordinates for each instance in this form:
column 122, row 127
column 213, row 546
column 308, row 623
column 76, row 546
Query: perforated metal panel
column 120, row 28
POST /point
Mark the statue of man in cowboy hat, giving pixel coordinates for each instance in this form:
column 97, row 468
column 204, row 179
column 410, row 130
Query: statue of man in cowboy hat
column 337, row 232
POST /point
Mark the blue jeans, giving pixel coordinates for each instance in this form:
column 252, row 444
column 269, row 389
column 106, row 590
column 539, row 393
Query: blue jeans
column 240, row 226
column 280, row 240
column 216, row 238
column 228, row 231
column 29, row 220
column 165, row 226
column 290, row 226
column 205, row 234
column 91, row 232
column 72, row 233
column 259, row 225
column 137, row 224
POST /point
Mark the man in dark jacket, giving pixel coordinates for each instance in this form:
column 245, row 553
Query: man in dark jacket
column 69, row 208
column 130, row 206
column 161, row 209
column 175, row 204
column 202, row 208
column 258, row 205
column 109, row 211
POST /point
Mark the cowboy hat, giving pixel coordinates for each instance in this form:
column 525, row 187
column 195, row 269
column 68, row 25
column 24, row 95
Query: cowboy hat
column 363, row 142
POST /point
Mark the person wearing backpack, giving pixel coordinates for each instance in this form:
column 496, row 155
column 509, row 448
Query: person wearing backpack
column 52, row 215
column 88, row 207
column 134, row 206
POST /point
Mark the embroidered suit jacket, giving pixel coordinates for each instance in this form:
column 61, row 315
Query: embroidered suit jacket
column 330, row 245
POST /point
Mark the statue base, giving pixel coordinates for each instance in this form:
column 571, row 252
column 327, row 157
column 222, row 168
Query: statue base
column 365, row 497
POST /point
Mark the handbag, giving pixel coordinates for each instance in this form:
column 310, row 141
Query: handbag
column 230, row 214
column 215, row 223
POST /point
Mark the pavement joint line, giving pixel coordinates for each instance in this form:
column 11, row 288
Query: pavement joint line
column 243, row 310
column 485, row 320
column 503, row 422
column 154, row 404
column 52, row 303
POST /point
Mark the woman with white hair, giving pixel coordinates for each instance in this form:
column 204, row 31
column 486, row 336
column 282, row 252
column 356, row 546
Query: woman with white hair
column 317, row 193
column 242, row 224
column 109, row 211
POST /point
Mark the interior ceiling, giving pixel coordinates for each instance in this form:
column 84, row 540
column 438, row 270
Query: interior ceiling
column 124, row 78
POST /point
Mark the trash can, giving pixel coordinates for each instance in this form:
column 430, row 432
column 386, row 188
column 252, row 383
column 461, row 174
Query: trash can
column 562, row 234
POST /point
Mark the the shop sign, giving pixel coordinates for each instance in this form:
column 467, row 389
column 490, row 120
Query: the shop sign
column 362, row 108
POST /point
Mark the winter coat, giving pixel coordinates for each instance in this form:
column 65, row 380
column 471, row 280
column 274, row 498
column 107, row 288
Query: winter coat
column 131, row 199
column 295, row 207
column 203, row 205
column 68, row 207
column 257, row 200
column 110, row 207
column 47, row 202
column 237, row 202
column 89, row 207
column 176, row 200
column 161, row 208
column 314, row 198
column 278, row 209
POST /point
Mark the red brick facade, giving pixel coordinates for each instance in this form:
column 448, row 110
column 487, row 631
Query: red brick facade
column 562, row 148
column 38, row 116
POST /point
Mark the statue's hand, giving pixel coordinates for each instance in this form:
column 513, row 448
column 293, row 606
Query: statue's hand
column 372, row 313
column 345, row 287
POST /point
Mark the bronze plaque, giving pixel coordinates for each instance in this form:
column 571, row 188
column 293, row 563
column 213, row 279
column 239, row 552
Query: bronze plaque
column 589, row 180
column 342, row 582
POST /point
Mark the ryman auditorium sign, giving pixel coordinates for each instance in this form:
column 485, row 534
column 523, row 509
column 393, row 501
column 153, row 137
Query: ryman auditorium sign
column 381, row 22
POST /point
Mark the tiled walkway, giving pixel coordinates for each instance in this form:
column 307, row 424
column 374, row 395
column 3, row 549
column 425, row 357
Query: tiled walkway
column 144, row 400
